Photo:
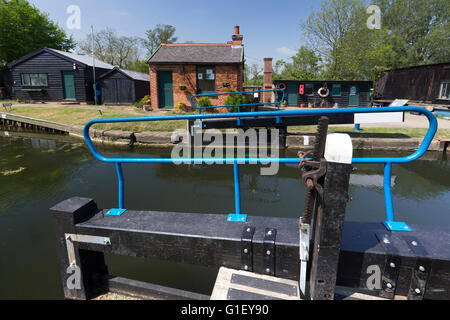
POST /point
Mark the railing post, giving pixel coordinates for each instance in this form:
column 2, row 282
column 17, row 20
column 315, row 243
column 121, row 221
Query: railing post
column 121, row 186
column 239, row 121
column 237, row 216
column 237, row 188
column 357, row 128
column 387, row 191
column 121, row 209
column 390, row 222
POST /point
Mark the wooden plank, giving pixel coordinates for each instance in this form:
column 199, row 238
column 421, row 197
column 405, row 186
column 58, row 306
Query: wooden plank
column 348, row 294
column 33, row 121
column 150, row 291
column 272, row 121
column 224, row 283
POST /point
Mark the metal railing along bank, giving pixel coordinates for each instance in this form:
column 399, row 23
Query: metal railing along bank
column 239, row 106
column 390, row 222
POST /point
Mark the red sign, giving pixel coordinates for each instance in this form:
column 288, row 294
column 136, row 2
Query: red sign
column 301, row 89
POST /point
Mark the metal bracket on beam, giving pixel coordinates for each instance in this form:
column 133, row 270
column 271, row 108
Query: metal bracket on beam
column 71, row 238
column 115, row 212
column 421, row 270
column 392, row 264
column 247, row 248
column 270, row 235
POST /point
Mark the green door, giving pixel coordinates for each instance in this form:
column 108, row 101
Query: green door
column 292, row 94
column 165, row 89
column 353, row 96
column 69, row 85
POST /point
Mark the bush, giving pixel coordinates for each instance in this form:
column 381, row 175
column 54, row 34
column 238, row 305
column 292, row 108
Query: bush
column 236, row 99
column 145, row 101
column 139, row 104
column 205, row 102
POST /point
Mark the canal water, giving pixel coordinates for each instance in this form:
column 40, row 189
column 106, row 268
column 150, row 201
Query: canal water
column 38, row 171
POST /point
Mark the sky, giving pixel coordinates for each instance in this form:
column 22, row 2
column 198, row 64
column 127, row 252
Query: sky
column 270, row 28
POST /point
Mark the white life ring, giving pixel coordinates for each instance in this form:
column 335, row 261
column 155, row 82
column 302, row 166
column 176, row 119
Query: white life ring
column 323, row 95
column 282, row 86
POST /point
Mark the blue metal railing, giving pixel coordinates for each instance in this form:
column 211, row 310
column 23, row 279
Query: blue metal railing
column 277, row 103
column 390, row 223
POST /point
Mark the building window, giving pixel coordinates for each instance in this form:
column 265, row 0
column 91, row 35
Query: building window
column 34, row 79
column 444, row 93
column 206, row 79
column 336, row 90
column 309, row 89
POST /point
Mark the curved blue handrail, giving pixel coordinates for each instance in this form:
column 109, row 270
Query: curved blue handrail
column 390, row 223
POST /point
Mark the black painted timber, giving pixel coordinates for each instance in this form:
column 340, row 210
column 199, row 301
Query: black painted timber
column 327, row 235
column 272, row 121
column 49, row 62
column 209, row 240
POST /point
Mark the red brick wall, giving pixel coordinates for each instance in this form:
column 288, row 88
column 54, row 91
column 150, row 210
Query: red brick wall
column 185, row 75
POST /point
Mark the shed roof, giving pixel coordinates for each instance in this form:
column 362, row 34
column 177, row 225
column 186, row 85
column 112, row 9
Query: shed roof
column 77, row 58
column 133, row 75
column 198, row 53
column 85, row 59
column 445, row 65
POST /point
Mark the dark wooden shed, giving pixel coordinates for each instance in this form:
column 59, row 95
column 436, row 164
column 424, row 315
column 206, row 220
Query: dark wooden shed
column 341, row 93
column 53, row 75
column 427, row 84
column 120, row 86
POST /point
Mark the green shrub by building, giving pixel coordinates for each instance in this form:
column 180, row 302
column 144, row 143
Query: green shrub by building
column 237, row 99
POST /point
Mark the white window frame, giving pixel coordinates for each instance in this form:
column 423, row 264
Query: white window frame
column 34, row 76
column 446, row 82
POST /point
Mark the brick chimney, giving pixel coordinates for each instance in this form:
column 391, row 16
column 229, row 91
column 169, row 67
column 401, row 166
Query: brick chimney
column 267, row 85
column 237, row 37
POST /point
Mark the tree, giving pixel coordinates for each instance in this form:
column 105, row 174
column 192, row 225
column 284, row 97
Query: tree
column 418, row 30
column 350, row 50
column 25, row 29
column 161, row 33
column 255, row 74
column 305, row 65
column 120, row 51
column 138, row 65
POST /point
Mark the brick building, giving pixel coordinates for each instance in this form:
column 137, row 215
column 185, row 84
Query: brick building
column 178, row 71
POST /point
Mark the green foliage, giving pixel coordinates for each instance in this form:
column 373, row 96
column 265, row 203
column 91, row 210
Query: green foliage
column 418, row 31
column 305, row 65
column 139, row 104
column 26, row 29
column 145, row 101
column 205, row 102
column 413, row 32
column 137, row 65
column 342, row 38
column 236, row 99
